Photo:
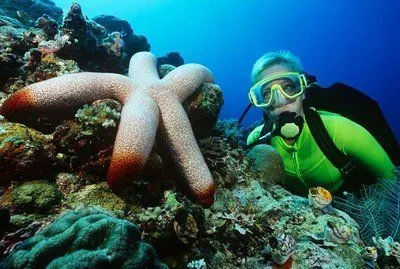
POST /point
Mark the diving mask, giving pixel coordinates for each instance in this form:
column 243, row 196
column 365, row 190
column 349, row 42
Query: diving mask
column 290, row 84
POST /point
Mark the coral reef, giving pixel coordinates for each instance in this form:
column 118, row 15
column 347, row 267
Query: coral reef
column 256, row 215
column 28, row 11
column 48, row 25
column 22, row 150
column 76, row 38
column 14, row 43
column 132, row 43
column 228, row 165
column 80, row 44
column 85, row 238
column 230, row 129
column 92, row 131
column 40, row 66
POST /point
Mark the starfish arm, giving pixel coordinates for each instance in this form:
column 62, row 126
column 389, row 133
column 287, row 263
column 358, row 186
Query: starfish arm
column 65, row 92
column 186, row 79
column 178, row 137
column 134, row 140
column 143, row 68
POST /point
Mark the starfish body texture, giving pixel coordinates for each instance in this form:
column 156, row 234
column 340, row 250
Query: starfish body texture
column 150, row 104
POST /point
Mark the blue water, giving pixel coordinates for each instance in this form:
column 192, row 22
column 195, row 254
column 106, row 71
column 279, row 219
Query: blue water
column 352, row 41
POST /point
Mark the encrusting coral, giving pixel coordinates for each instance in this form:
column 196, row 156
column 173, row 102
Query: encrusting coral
column 21, row 150
column 85, row 238
column 147, row 99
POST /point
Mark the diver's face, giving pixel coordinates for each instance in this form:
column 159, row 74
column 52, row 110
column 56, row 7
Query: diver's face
column 280, row 103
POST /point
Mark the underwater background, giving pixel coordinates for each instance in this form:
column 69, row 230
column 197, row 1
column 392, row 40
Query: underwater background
column 143, row 164
column 355, row 42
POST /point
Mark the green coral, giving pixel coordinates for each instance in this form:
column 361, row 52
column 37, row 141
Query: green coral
column 17, row 134
column 98, row 115
column 36, row 196
column 97, row 194
column 157, row 222
column 20, row 221
column 164, row 213
column 85, row 238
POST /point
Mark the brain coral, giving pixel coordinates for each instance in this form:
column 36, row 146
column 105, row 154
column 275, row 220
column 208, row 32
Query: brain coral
column 85, row 238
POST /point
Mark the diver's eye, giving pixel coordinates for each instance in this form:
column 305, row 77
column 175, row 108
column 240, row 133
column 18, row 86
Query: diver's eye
column 266, row 93
column 289, row 89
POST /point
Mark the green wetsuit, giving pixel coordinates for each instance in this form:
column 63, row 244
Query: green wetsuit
column 306, row 166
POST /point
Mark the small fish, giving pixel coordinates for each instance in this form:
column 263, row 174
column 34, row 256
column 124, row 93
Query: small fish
column 337, row 233
column 282, row 248
column 319, row 198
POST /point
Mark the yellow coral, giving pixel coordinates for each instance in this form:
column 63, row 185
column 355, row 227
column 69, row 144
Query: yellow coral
column 49, row 58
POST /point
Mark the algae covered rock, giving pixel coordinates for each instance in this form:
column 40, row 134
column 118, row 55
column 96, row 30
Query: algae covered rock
column 114, row 24
column 22, row 150
column 171, row 58
column 36, row 196
column 97, row 194
column 85, row 238
column 30, row 201
column 132, row 42
column 23, row 220
column 202, row 107
column 172, row 228
column 48, row 25
column 310, row 255
column 229, row 166
column 254, row 214
column 92, row 131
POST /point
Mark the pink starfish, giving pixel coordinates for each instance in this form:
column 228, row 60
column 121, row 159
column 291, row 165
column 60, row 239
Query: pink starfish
column 148, row 102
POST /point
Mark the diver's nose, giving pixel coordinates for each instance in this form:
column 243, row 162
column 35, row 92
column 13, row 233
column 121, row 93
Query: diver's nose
column 279, row 98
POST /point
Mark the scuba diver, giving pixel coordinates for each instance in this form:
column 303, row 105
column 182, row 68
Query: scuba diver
column 326, row 137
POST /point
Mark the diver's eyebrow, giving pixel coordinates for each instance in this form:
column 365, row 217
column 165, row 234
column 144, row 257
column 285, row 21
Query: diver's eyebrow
column 277, row 81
